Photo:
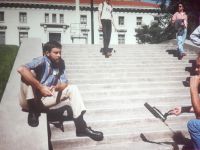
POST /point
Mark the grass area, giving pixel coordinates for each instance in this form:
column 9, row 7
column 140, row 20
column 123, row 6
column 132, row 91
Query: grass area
column 7, row 58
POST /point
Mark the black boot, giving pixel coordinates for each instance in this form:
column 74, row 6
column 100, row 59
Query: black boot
column 83, row 130
column 33, row 115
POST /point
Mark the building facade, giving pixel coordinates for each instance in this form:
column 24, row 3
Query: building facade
column 57, row 20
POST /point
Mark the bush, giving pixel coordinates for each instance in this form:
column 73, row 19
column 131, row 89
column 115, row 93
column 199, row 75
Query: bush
column 159, row 31
column 7, row 57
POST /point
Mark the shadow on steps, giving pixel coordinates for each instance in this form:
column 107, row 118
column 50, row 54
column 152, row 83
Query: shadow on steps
column 192, row 72
column 172, row 52
column 178, row 139
column 58, row 116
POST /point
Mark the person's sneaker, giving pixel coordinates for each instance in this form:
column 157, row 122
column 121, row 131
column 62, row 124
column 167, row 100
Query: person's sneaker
column 95, row 135
column 181, row 56
column 102, row 51
column 33, row 119
column 108, row 54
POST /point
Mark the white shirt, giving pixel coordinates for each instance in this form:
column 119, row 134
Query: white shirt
column 106, row 12
column 195, row 36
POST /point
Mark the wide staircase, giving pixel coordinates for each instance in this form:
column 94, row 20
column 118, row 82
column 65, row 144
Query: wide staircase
column 115, row 90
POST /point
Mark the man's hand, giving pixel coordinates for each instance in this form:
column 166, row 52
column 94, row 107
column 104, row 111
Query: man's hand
column 176, row 111
column 46, row 91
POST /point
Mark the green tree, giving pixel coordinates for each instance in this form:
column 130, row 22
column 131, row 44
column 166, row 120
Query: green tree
column 159, row 30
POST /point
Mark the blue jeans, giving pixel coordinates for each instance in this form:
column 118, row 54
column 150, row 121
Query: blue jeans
column 194, row 130
column 181, row 36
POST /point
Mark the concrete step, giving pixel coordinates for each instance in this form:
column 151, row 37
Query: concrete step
column 109, row 80
column 130, row 66
column 122, row 112
column 120, row 53
column 68, row 126
column 161, row 98
column 125, row 58
column 162, row 144
column 129, row 62
column 131, row 47
column 121, row 136
column 129, row 103
column 129, row 78
column 132, row 95
column 128, row 69
column 112, row 78
column 141, row 84
column 136, row 92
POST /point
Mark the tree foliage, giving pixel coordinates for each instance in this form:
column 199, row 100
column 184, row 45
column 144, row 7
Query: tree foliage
column 159, row 30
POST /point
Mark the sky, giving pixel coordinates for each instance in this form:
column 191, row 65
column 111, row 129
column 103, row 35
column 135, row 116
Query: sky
column 154, row 1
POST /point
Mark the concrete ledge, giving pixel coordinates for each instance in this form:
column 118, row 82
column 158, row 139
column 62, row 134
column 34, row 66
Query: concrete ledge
column 15, row 132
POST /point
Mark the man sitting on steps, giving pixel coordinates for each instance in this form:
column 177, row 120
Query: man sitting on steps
column 194, row 124
column 44, row 84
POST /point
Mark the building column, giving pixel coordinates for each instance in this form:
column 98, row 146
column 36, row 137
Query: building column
column 77, row 11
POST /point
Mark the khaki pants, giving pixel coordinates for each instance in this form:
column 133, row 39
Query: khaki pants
column 69, row 96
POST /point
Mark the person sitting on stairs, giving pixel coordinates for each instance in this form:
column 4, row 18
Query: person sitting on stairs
column 44, row 84
column 194, row 124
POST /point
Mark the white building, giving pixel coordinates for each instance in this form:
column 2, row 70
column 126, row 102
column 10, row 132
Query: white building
column 57, row 20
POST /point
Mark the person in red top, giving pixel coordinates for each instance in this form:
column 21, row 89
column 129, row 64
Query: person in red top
column 180, row 21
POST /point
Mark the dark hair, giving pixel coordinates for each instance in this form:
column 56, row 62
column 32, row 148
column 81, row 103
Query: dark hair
column 50, row 45
column 181, row 4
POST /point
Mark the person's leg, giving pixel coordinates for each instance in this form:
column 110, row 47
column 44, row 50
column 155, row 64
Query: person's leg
column 180, row 42
column 104, row 30
column 181, row 36
column 76, row 102
column 107, row 38
column 184, row 38
column 194, row 130
column 27, row 102
column 109, row 30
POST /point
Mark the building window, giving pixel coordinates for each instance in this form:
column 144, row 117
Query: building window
column 2, row 38
column 22, row 35
column 1, row 16
column 46, row 17
column 54, row 18
column 83, row 19
column 121, row 39
column 139, row 21
column 23, row 17
column 61, row 18
column 121, row 20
